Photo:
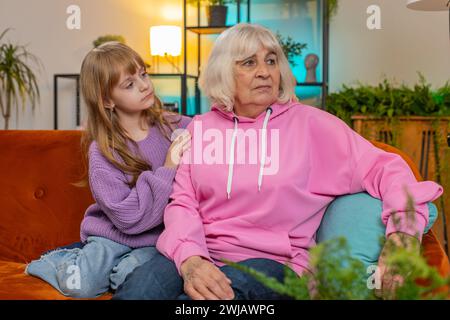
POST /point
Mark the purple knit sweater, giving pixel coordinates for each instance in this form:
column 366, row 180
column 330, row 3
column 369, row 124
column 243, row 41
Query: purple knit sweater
column 130, row 216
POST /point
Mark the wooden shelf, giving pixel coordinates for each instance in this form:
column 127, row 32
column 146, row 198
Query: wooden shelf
column 172, row 75
column 207, row 30
column 310, row 84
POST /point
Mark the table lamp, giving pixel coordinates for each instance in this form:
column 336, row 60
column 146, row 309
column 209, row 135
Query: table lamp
column 165, row 41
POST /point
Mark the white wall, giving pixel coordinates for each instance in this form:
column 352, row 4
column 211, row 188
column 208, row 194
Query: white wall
column 409, row 41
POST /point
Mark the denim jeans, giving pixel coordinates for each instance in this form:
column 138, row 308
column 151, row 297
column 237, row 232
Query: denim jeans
column 158, row 279
column 89, row 270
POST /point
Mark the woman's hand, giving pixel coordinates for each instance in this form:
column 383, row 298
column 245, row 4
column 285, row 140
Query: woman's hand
column 176, row 149
column 204, row 281
column 390, row 279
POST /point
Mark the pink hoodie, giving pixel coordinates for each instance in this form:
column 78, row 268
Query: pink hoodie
column 229, row 204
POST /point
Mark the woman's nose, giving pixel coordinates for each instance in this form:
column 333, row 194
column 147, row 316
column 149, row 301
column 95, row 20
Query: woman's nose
column 262, row 71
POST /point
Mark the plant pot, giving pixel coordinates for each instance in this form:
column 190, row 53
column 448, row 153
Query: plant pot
column 415, row 136
column 216, row 15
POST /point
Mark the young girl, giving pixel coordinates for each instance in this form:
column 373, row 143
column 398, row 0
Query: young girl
column 132, row 164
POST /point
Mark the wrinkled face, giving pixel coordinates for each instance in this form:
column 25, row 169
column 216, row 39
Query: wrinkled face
column 257, row 80
column 133, row 92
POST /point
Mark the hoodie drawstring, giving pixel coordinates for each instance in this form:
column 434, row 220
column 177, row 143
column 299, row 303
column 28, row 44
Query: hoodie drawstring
column 263, row 152
column 231, row 162
column 263, row 147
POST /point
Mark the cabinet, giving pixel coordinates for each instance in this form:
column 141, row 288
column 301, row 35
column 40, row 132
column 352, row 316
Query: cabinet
column 305, row 21
column 198, row 29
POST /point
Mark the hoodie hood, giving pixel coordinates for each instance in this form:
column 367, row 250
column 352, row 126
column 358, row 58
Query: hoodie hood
column 277, row 109
column 271, row 112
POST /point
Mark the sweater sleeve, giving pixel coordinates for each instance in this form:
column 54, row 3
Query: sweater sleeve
column 184, row 235
column 185, row 120
column 131, row 210
column 355, row 165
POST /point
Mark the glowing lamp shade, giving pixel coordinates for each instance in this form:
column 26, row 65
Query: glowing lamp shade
column 165, row 40
column 428, row 5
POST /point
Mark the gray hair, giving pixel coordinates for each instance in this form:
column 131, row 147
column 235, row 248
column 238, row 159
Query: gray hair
column 235, row 44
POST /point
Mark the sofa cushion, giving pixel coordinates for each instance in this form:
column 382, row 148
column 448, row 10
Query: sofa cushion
column 357, row 217
column 40, row 207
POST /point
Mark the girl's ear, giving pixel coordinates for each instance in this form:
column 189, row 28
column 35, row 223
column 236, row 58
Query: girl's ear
column 109, row 104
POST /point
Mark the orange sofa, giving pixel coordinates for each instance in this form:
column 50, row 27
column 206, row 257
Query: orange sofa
column 41, row 210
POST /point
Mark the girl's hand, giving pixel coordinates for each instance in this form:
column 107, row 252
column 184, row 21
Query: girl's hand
column 204, row 281
column 175, row 152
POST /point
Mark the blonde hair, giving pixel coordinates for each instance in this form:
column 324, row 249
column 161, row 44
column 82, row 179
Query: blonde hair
column 100, row 72
column 235, row 44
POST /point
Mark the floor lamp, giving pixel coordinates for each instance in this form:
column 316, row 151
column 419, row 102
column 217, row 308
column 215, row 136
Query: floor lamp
column 430, row 5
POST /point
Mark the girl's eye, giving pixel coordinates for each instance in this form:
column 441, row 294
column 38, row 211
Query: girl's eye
column 130, row 85
column 144, row 74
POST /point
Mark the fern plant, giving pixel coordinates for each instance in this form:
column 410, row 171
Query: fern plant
column 337, row 275
column 388, row 100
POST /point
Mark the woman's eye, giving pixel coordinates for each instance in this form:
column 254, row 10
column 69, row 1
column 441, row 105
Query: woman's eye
column 130, row 85
column 271, row 61
column 249, row 63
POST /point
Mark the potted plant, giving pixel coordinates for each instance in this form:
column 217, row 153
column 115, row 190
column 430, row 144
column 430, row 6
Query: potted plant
column 216, row 11
column 332, row 8
column 290, row 47
column 106, row 38
column 112, row 37
column 414, row 119
column 17, row 79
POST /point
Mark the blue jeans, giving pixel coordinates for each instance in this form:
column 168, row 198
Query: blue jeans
column 158, row 279
column 89, row 270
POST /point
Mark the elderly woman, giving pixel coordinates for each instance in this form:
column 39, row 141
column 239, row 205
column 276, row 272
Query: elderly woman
column 260, row 173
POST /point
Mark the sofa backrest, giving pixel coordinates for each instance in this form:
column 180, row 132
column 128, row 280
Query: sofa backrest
column 39, row 207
